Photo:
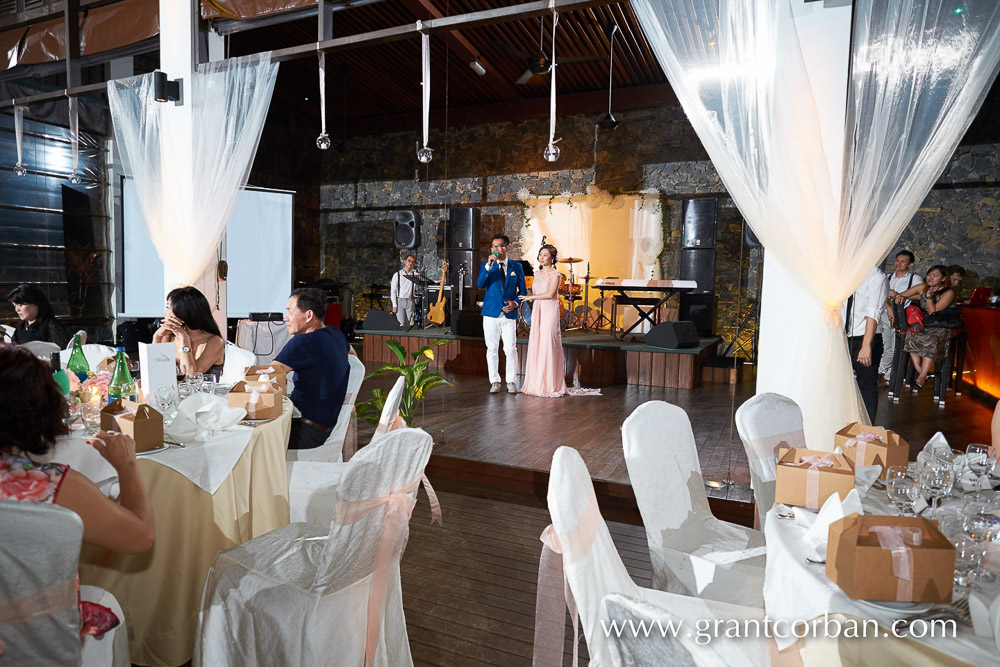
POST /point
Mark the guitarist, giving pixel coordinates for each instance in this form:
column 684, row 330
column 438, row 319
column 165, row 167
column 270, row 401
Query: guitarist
column 503, row 280
column 401, row 292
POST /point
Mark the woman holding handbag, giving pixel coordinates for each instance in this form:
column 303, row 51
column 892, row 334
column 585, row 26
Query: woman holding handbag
column 941, row 317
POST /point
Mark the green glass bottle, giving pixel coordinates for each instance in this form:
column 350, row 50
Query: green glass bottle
column 77, row 360
column 58, row 374
column 120, row 377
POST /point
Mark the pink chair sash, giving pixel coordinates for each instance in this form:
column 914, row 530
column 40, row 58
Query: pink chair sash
column 45, row 602
column 894, row 538
column 553, row 595
column 812, row 476
column 395, row 533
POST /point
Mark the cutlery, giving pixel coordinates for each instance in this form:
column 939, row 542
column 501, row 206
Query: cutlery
column 815, row 562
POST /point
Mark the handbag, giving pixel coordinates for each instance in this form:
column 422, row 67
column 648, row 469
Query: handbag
column 914, row 319
column 949, row 318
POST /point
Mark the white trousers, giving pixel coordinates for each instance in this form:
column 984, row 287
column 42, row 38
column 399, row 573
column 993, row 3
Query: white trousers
column 496, row 329
column 404, row 312
column 888, row 345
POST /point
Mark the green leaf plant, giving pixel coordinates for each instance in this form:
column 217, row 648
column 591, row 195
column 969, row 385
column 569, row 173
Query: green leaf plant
column 419, row 381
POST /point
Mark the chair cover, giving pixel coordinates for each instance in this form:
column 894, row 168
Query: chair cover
column 40, row 348
column 995, row 427
column 692, row 552
column 338, row 446
column 94, row 352
column 593, row 569
column 303, row 594
column 766, row 422
column 629, row 648
column 7, row 332
column 112, row 648
column 389, row 419
column 235, row 364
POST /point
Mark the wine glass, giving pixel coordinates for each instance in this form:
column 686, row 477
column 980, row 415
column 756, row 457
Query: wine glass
column 981, row 460
column 901, row 488
column 166, row 398
column 969, row 556
column 185, row 389
column 936, row 481
column 209, row 385
column 90, row 412
column 957, row 461
column 195, row 380
column 73, row 408
column 981, row 522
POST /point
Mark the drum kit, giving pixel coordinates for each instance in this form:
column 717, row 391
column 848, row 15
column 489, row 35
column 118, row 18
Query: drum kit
column 570, row 293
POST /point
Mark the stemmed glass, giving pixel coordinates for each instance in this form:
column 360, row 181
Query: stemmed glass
column 195, row 380
column 981, row 522
column 901, row 488
column 957, row 461
column 90, row 412
column 166, row 398
column 969, row 556
column 981, row 460
column 936, row 481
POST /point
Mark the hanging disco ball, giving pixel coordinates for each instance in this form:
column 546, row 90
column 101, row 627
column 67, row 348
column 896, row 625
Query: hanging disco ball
column 551, row 153
column 74, row 178
column 323, row 141
column 425, row 154
column 19, row 169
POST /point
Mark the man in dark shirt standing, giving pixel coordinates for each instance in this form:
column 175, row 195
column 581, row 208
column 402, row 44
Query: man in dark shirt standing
column 318, row 356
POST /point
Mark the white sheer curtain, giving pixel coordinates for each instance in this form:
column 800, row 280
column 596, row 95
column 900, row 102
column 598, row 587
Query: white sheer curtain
column 189, row 169
column 645, row 229
column 919, row 72
column 565, row 226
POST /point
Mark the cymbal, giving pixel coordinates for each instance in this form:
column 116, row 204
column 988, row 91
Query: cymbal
column 570, row 260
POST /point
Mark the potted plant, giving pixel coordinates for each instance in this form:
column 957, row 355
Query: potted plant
column 419, row 381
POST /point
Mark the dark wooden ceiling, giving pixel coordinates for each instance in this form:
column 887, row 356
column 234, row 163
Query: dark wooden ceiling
column 377, row 88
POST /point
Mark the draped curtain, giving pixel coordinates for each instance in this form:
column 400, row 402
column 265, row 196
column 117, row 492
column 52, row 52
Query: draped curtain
column 645, row 229
column 189, row 169
column 565, row 226
column 919, row 72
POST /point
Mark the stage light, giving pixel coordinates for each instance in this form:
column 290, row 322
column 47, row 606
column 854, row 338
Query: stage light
column 478, row 68
column 715, row 485
column 164, row 90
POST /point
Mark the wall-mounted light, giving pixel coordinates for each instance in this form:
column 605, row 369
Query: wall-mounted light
column 477, row 67
column 164, row 90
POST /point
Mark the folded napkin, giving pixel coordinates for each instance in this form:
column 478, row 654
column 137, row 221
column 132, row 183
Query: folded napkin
column 201, row 416
column 985, row 616
column 972, row 483
column 818, row 525
column 864, row 478
column 937, row 443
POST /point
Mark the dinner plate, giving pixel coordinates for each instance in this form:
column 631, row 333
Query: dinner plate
column 899, row 607
column 154, row 450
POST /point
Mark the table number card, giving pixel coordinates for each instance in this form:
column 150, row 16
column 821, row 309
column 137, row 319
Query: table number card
column 157, row 367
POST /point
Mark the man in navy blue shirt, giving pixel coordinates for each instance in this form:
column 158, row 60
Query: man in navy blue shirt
column 318, row 356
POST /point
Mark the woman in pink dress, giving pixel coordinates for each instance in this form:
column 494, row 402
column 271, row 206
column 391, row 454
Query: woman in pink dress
column 544, row 373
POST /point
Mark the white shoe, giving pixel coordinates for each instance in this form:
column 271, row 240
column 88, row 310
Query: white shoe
column 511, row 388
column 495, row 388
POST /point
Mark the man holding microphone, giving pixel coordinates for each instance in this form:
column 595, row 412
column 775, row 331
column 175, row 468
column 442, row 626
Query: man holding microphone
column 503, row 281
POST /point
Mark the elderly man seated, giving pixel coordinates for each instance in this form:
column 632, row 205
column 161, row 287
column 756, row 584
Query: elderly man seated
column 318, row 356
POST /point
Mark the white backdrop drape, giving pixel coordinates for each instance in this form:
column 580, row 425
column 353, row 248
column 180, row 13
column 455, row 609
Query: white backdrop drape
column 645, row 229
column 189, row 172
column 919, row 72
column 567, row 227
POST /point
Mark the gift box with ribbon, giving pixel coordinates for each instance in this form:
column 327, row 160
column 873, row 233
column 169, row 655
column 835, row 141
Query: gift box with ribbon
column 261, row 400
column 892, row 558
column 138, row 420
column 872, row 445
column 266, row 374
column 807, row 478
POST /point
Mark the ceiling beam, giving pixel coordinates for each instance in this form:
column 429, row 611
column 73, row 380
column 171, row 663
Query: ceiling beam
column 467, row 51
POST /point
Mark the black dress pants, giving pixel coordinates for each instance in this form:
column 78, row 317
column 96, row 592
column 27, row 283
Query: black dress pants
column 867, row 376
column 306, row 436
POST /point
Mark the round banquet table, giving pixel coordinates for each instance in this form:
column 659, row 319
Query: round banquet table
column 160, row 590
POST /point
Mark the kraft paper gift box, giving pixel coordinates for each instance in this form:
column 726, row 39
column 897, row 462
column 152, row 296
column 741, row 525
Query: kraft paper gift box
column 893, row 558
column 261, row 400
column 108, row 364
column 258, row 374
column 138, row 420
column 806, row 477
column 876, row 446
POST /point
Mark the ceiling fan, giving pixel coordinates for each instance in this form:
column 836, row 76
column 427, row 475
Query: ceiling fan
column 539, row 64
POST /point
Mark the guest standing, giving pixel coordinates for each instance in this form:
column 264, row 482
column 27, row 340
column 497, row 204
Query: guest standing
column 864, row 309
column 188, row 323
column 38, row 321
column 544, row 371
column 901, row 279
column 503, row 281
column 942, row 317
column 401, row 291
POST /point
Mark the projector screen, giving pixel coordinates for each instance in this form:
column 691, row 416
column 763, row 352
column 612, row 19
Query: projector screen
column 258, row 250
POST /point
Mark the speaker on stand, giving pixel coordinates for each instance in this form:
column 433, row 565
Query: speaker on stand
column 462, row 240
column 406, row 229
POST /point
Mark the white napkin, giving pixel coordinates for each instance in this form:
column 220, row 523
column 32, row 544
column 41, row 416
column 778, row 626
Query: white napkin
column 865, row 476
column 818, row 525
column 201, row 416
column 937, row 443
column 971, row 483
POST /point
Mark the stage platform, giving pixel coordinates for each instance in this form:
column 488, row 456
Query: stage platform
column 594, row 358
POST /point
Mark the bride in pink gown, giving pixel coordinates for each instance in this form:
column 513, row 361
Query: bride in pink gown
column 544, row 373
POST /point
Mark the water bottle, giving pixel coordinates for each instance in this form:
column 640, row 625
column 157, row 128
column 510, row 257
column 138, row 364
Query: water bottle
column 78, row 361
column 121, row 377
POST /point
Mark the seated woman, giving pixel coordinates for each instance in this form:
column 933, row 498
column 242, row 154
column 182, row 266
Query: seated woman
column 942, row 317
column 38, row 322
column 188, row 322
column 31, row 418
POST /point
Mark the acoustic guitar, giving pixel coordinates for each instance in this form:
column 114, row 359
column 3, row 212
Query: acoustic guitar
column 436, row 312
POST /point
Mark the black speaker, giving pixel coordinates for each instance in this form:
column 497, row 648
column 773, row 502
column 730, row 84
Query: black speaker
column 467, row 322
column 699, row 266
column 673, row 335
column 699, row 216
column 459, row 258
column 698, row 308
column 463, row 228
column 749, row 237
column 380, row 320
column 406, row 229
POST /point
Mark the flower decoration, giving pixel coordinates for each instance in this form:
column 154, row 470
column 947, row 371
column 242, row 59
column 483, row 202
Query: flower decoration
column 524, row 194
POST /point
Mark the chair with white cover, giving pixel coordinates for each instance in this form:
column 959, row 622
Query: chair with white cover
column 236, row 362
column 95, row 353
column 307, row 594
column 767, row 422
column 39, row 612
column 41, row 348
column 592, row 569
column 631, row 647
column 7, row 332
column 692, row 552
column 312, row 483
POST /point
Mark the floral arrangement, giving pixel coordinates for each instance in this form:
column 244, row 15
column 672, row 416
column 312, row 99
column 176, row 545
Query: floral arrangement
column 95, row 385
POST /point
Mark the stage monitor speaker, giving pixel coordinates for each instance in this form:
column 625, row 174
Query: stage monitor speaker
column 673, row 335
column 468, row 322
column 380, row 320
column 406, row 229
column 699, row 216
column 698, row 308
column 699, row 265
column 463, row 228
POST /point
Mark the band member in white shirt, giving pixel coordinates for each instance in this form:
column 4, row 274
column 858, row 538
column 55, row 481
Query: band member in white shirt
column 900, row 280
column 863, row 311
column 401, row 291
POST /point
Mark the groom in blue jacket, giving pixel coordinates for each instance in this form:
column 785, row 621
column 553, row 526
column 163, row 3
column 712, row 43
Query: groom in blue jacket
column 503, row 280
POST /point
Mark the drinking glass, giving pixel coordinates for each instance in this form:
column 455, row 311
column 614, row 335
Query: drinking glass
column 981, row 459
column 957, row 461
column 969, row 556
column 90, row 412
column 936, row 481
column 981, row 522
column 901, row 488
column 74, row 407
column 166, row 398
column 209, row 385
column 195, row 380
column 185, row 389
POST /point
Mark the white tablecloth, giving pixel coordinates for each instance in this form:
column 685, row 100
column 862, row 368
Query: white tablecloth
column 207, row 464
column 795, row 590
